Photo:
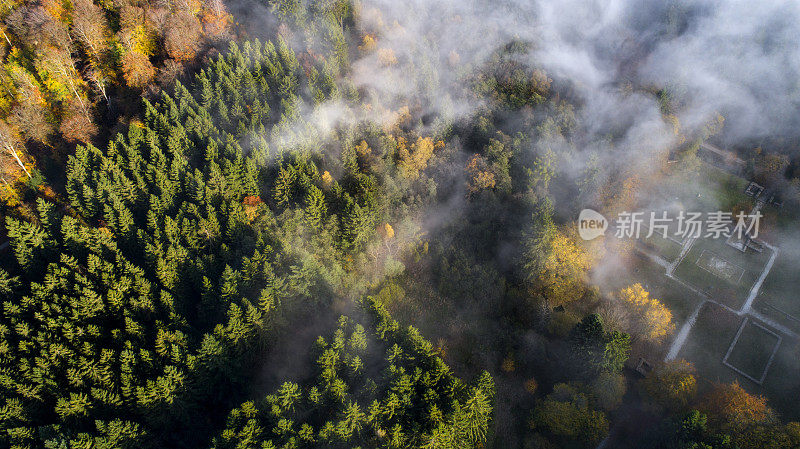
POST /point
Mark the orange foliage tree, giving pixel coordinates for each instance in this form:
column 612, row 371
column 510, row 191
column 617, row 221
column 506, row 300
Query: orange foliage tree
column 182, row 36
column 731, row 408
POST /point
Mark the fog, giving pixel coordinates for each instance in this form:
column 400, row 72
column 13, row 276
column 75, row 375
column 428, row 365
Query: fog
column 733, row 57
column 610, row 59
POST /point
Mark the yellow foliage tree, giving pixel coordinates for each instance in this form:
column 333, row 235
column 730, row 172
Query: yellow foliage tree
column 363, row 149
column 364, row 153
column 531, row 385
column 562, row 273
column 387, row 231
column 508, row 365
column 368, row 43
column 327, row 179
column 414, row 159
column 140, row 38
column 56, row 9
column 652, row 318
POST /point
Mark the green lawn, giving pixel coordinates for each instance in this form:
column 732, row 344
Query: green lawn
column 752, row 351
column 667, row 248
column 728, row 189
column 704, row 189
column 721, row 289
column 708, row 342
column 779, row 297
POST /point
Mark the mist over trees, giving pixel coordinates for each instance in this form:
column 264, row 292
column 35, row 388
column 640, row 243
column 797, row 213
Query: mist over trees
column 295, row 224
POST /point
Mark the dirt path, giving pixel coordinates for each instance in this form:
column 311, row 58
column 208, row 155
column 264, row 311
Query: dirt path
column 683, row 334
column 748, row 305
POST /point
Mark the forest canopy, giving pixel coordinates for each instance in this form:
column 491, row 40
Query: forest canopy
column 349, row 224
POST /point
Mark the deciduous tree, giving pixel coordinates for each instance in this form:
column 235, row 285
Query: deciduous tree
column 566, row 414
column 137, row 69
column 650, row 318
column 182, row 36
column 11, row 145
column 671, row 384
column 561, row 273
column 731, row 408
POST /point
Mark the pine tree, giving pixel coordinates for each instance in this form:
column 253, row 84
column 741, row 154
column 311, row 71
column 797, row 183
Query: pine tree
column 315, row 207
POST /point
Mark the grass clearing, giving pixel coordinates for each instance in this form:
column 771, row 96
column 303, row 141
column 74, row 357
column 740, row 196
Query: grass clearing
column 779, row 297
column 719, row 280
column 664, row 246
column 702, row 189
column 729, row 189
column 752, row 350
column 720, row 267
column 709, row 342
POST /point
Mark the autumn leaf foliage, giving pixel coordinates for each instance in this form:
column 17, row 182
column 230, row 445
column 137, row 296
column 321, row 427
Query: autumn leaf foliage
column 652, row 320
